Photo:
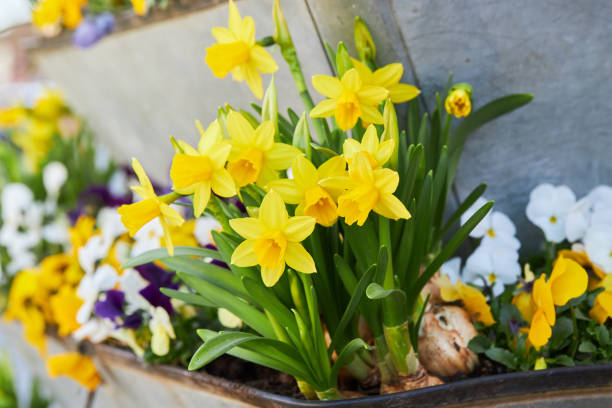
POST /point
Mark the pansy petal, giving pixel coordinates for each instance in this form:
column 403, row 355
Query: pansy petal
column 567, row 281
column 299, row 259
column 272, row 211
column 540, row 331
column 299, row 228
column 249, row 227
column 244, row 254
column 326, row 85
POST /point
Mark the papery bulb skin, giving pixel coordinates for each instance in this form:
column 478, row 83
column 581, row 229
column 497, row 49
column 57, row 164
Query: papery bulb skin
column 443, row 340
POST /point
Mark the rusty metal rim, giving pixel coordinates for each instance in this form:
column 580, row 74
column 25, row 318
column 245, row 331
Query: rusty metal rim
column 556, row 381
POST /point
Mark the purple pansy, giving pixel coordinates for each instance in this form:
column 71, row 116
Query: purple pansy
column 112, row 308
column 158, row 278
column 92, row 29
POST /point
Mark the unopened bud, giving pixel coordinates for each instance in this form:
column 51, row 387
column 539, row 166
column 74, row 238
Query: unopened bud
column 363, row 40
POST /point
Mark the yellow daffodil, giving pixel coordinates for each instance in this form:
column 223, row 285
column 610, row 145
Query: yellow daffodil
column 255, row 157
column 387, row 77
column 377, row 153
column 273, row 240
column 184, row 235
column 139, row 7
column 473, row 300
column 458, row 103
column 201, row 171
column 367, row 190
column 306, row 190
column 135, row 216
column 64, row 306
column 76, row 366
column 12, row 116
column 49, row 105
column 349, row 99
column 35, row 138
column 568, row 280
column 602, row 307
column 236, row 51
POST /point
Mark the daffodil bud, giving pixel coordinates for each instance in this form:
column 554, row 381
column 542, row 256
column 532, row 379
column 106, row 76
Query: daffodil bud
column 363, row 40
column 281, row 31
column 343, row 60
column 301, row 136
column 269, row 108
column 176, row 146
column 459, row 100
column 222, row 113
column 391, row 131
column 540, row 364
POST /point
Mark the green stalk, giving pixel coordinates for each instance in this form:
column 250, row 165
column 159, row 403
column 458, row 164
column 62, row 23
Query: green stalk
column 575, row 334
column 329, row 395
column 384, row 233
column 387, row 371
column 307, row 390
column 400, row 349
column 358, row 368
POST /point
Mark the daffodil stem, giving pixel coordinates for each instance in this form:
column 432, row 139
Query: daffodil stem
column 307, row 390
column 384, row 237
column 329, row 395
column 575, row 334
column 400, row 348
column 384, row 360
column 550, row 254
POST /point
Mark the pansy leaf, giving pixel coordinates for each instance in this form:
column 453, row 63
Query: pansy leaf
column 503, row 356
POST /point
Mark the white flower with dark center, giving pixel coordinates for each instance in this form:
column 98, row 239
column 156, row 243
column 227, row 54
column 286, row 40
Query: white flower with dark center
column 131, row 283
column 452, row 269
column 496, row 265
column 495, row 229
column 95, row 330
column 548, row 209
column 598, row 246
column 594, row 209
column 90, row 287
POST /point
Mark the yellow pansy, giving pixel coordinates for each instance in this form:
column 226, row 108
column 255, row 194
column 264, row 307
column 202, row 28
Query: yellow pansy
column 377, row 153
column 387, row 77
column 349, row 99
column 367, row 190
column 273, row 240
column 201, row 171
column 583, row 259
column 135, row 216
column 307, row 191
column 255, row 157
column 52, row 270
column 236, row 51
column 473, row 300
column 458, row 103
column 522, row 300
column 139, row 7
column 568, row 280
column 47, row 14
column 76, row 366
column 64, row 306
column 602, row 307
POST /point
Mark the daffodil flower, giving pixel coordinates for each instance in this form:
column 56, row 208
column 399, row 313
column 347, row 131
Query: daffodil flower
column 255, row 157
column 139, row 7
column 76, row 366
column 377, row 153
column 273, row 240
column 387, row 77
column 568, row 280
column 458, row 103
column 368, row 190
column 349, row 99
column 135, row 216
column 306, row 190
column 236, row 51
column 201, row 171
column 473, row 300
column 548, row 208
column 161, row 331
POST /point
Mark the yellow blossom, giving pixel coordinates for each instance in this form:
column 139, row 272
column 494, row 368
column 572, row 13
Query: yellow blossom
column 367, row 190
column 387, row 77
column 64, row 306
column 52, row 271
column 255, row 157
column 568, row 280
column 135, row 216
column 201, row 171
column 349, row 99
column 273, row 240
column 473, row 300
column 48, row 14
column 458, row 103
column 49, row 105
column 602, row 307
column 377, row 153
column 12, row 116
column 583, row 259
column 236, row 51
column 139, row 6
column 183, row 235
column 76, row 366
column 34, row 138
column 306, row 190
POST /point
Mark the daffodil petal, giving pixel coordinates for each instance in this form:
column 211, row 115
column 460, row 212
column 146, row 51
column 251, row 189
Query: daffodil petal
column 171, row 215
column 272, row 211
column 263, row 60
column 209, row 137
column 266, row 176
column 224, row 57
column 387, row 180
column 324, row 109
column 370, row 114
column 271, row 275
column 288, row 189
column 299, row 259
column 141, row 174
column 403, row 92
column 249, row 227
column 223, row 183
column 370, row 142
column 253, row 80
column 219, row 154
column 264, row 135
column 385, row 150
column 239, row 128
column 351, row 81
column 223, row 35
column 388, row 75
column 201, row 196
column 390, row 206
column 334, row 167
column 247, row 30
column 234, row 21
column 304, row 172
column 281, row 156
column 364, row 72
column 372, row 95
column 361, row 170
column 244, row 254
column 326, row 85
column 299, row 228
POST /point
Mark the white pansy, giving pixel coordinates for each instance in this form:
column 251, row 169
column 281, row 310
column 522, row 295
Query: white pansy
column 452, row 269
column 161, row 331
column 118, row 184
column 500, row 232
column 54, row 176
column 481, row 229
column 20, row 261
column 109, row 221
column 548, row 209
column 127, row 336
column 131, row 283
column 147, row 238
column 16, row 198
column 228, row 319
column 95, row 249
column 57, row 232
column 598, row 246
column 103, row 279
column 496, row 265
column 203, row 227
column 95, row 330
column 578, row 220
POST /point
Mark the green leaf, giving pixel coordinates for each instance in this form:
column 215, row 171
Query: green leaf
column 603, row 335
column 562, row 360
column 162, row 253
column 301, row 136
column 587, row 347
column 265, row 298
column 463, row 207
column 480, row 343
column 186, row 297
column 561, row 332
column 347, row 352
column 217, row 346
column 502, row 356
